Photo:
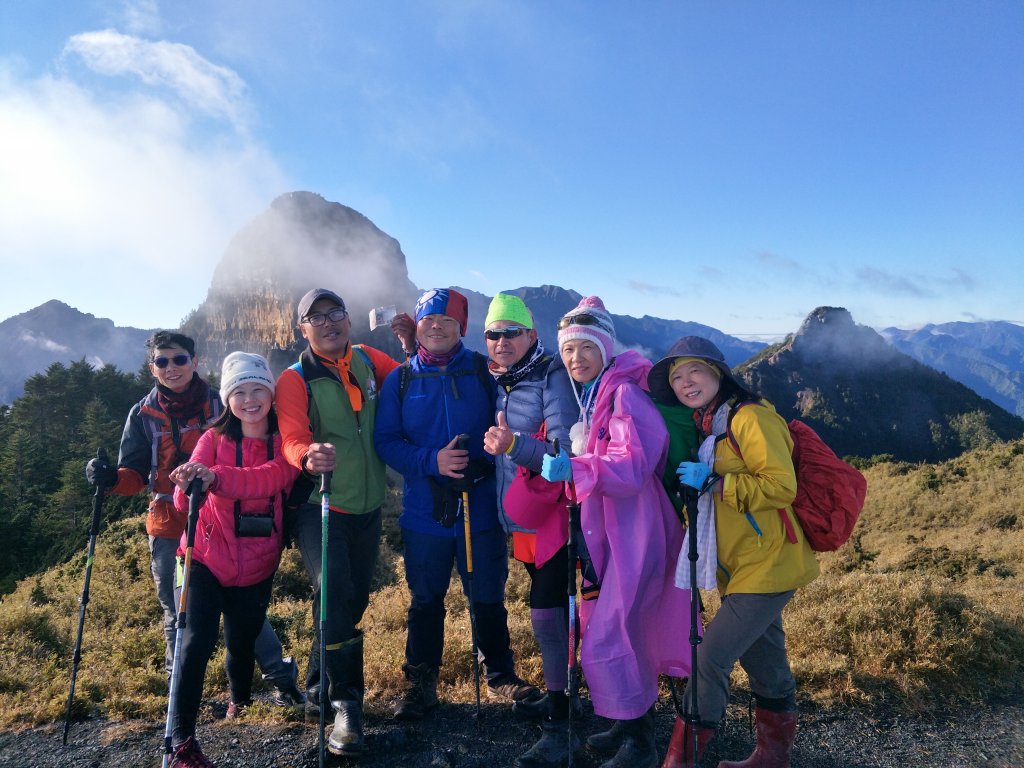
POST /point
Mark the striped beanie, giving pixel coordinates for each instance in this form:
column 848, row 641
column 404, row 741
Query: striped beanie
column 591, row 321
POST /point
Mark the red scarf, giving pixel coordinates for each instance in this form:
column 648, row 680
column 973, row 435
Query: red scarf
column 187, row 404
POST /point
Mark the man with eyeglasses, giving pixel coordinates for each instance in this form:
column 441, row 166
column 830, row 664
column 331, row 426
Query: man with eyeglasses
column 326, row 409
column 159, row 434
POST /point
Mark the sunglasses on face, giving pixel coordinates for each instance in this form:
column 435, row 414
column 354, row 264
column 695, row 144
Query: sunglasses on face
column 565, row 322
column 319, row 318
column 178, row 360
column 512, row 332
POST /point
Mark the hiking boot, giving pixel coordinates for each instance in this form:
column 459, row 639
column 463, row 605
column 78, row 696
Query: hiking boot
column 189, row 755
column 606, row 742
column 421, row 695
column 286, row 691
column 511, row 687
column 553, row 748
column 638, row 749
column 313, row 700
column 237, row 710
column 531, row 709
column 347, row 735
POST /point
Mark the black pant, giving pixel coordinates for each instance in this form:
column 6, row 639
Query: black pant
column 549, row 584
column 244, row 610
column 352, row 545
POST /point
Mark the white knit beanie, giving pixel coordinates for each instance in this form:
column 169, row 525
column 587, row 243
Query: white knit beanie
column 601, row 331
column 242, row 367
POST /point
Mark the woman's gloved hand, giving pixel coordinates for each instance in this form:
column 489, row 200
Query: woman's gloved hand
column 557, row 468
column 693, row 473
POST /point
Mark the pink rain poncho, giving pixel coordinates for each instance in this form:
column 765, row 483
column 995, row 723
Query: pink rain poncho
column 639, row 625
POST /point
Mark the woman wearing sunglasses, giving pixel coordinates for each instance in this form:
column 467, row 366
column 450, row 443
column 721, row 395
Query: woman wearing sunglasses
column 631, row 631
column 533, row 391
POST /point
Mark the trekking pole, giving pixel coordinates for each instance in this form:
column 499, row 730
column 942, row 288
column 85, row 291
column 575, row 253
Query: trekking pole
column 195, row 499
column 76, row 657
column 462, row 443
column 325, row 521
column 572, row 685
column 691, row 497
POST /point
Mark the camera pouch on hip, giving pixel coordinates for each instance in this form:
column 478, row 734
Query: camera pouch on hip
column 254, row 526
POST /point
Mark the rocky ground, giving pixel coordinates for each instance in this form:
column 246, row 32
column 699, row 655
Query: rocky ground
column 992, row 737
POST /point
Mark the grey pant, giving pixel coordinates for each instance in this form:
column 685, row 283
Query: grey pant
column 163, row 553
column 747, row 628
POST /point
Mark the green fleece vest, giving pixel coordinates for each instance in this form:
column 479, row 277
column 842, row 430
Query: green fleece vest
column 358, row 482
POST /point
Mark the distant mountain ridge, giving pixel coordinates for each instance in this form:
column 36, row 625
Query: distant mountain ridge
column 821, row 373
column 55, row 333
column 987, row 356
column 865, row 397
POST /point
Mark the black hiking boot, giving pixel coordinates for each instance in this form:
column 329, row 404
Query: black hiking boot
column 638, row 749
column 347, row 735
column 286, row 691
column 555, row 745
column 606, row 743
column 421, row 695
column 537, row 709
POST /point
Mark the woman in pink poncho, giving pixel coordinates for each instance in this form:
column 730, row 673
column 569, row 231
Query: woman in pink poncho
column 631, row 632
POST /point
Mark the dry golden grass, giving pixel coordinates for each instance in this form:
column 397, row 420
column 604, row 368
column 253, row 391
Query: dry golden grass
column 921, row 609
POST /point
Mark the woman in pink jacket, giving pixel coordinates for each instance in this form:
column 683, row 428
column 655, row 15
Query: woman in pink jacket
column 238, row 541
column 631, row 630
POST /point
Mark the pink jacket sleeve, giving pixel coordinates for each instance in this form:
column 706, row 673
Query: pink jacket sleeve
column 632, row 449
column 203, row 453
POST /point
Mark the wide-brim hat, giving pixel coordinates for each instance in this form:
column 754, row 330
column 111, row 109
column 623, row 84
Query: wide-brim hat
column 689, row 346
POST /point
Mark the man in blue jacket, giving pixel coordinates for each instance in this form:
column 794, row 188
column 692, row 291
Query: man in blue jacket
column 445, row 391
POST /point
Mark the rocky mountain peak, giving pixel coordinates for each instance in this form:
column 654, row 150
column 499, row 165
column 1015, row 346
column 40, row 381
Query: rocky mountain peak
column 829, row 335
column 301, row 241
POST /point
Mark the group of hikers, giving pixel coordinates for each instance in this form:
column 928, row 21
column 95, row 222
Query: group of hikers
column 580, row 458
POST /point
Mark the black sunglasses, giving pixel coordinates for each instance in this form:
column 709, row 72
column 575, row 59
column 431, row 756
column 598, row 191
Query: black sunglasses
column 178, row 360
column 565, row 322
column 512, row 332
column 319, row 318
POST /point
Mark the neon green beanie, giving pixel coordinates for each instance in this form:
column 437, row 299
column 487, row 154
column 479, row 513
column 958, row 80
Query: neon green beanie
column 505, row 306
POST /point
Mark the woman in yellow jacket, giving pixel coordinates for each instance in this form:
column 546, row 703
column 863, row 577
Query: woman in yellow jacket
column 762, row 554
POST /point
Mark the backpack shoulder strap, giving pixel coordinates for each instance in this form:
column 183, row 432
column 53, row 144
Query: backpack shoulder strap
column 728, row 422
column 366, row 358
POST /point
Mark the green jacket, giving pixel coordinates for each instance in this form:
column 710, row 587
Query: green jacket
column 358, row 482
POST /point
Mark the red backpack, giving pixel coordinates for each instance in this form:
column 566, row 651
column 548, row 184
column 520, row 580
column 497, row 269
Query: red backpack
column 829, row 492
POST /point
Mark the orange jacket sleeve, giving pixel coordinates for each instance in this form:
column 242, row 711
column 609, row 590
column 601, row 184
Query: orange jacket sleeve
column 292, row 405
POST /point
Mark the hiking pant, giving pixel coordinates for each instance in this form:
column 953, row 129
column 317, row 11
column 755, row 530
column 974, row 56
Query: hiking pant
column 747, row 628
column 163, row 559
column 549, row 612
column 244, row 610
column 352, row 545
column 428, row 572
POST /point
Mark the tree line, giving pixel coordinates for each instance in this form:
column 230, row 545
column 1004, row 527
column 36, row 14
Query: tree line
column 46, row 437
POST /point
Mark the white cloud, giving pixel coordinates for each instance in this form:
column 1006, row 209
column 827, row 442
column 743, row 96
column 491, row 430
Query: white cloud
column 43, row 343
column 107, row 186
column 215, row 90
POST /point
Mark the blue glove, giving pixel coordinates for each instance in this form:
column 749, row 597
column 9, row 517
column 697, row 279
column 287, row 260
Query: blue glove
column 693, row 473
column 556, row 468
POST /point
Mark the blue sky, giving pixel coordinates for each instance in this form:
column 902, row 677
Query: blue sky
column 732, row 163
